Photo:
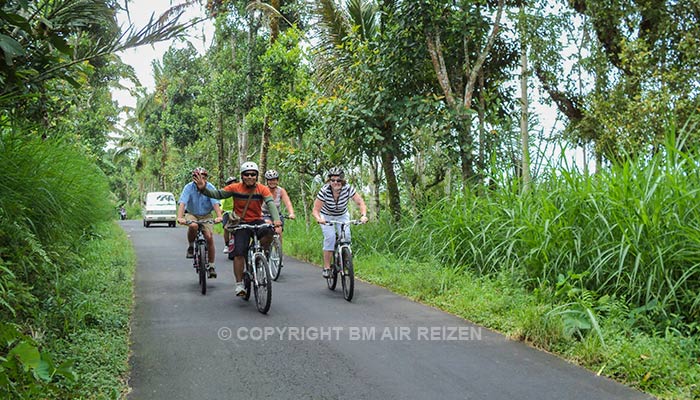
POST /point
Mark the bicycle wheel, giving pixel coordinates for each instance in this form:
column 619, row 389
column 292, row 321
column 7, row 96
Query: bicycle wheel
column 263, row 287
column 332, row 280
column 202, row 265
column 348, row 274
column 275, row 258
column 247, row 278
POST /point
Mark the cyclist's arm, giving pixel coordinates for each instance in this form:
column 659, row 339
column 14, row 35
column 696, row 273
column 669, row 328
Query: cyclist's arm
column 217, row 209
column 361, row 204
column 316, row 212
column 215, row 193
column 181, row 213
column 287, row 204
column 274, row 213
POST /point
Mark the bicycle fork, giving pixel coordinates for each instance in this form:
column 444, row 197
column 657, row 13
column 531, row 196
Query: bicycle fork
column 339, row 258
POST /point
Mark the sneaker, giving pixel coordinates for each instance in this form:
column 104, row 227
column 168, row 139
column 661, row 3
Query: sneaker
column 190, row 252
column 226, row 250
column 326, row 273
column 240, row 289
column 212, row 273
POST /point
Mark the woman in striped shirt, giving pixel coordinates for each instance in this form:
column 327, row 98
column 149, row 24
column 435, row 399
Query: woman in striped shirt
column 331, row 204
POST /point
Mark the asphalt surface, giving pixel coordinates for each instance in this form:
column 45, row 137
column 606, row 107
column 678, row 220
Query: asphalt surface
column 315, row 345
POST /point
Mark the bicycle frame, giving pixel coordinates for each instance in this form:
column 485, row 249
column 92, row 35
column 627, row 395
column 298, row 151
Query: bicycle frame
column 201, row 245
column 341, row 266
column 256, row 259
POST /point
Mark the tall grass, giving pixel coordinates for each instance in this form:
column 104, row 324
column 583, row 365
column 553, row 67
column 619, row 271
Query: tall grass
column 51, row 200
column 631, row 232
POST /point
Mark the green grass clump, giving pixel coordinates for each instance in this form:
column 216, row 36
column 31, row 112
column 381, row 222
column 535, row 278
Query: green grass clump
column 65, row 279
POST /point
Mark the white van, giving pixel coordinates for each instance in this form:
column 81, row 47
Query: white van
column 160, row 207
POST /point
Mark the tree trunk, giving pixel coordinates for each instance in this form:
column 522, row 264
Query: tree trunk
column 524, row 103
column 220, row 145
column 242, row 141
column 391, row 185
column 265, row 144
column 374, row 206
column 163, row 161
column 465, row 140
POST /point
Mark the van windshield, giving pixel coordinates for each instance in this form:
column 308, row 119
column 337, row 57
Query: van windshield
column 164, row 199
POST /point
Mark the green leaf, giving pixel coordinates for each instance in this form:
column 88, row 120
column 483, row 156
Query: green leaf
column 66, row 370
column 27, row 354
column 11, row 48
column 8, row 334
column 61, row 44
column 15, row 20
column 44, row 371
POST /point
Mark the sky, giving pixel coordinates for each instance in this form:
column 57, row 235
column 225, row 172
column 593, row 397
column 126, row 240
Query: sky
column 142, row 57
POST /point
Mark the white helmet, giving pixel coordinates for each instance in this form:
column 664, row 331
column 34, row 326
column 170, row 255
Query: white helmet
column 249, row 166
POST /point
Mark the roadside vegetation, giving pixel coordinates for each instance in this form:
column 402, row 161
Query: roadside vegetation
column 603, row 269
column 66, row 274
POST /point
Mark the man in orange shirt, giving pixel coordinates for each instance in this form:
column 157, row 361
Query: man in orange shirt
column 248, row 198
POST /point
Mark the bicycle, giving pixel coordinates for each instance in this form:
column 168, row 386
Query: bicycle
column 275, row 256
column 201, row 254
column 257, row 272
column 342, row 260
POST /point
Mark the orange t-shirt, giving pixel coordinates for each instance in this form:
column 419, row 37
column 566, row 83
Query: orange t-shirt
column 261, row 193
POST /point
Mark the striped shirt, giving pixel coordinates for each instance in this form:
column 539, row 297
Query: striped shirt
column 334, row 207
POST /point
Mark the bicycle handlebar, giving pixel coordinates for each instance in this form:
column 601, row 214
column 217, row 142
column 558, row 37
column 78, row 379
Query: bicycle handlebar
column 252, row 226
column 351, row 222
column 202, row 222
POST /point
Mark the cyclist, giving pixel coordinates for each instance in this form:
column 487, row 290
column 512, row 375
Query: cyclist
column 196, row 207
column 227, row 207
column 279, row 196
column 331, row 204
column 248, row 198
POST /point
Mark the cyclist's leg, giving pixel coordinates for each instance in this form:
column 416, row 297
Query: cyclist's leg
column 224, row 220
column 328, row 242
column 209, row 235
column 240, row 251
column 191, row 234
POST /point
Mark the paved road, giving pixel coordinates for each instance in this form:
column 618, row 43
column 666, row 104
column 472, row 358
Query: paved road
column 315, row 345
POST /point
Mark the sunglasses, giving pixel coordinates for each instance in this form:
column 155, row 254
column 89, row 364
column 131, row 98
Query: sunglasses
column 337, row 180
column 250, row 174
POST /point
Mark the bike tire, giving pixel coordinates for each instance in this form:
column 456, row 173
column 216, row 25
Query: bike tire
column 246, row 285
column 202, row 266
column 332, row 280
column 275, row 258
column 263, row 287
column 348, row 274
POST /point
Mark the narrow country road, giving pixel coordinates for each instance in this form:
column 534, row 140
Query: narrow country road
column 315, row 345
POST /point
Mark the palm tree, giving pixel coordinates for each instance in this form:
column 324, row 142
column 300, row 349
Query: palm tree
column 45, row 40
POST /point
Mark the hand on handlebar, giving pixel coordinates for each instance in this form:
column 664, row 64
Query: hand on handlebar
column 363, row 219
column 217, row 220
column 181, row 221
